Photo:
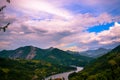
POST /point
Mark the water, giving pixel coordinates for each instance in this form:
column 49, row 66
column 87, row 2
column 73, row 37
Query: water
column 64, row 75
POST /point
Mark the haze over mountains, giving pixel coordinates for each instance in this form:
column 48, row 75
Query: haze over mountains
column 95, row 53
column 92, row 53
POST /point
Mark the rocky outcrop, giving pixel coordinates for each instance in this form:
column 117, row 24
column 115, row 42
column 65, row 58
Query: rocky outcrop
column 32, row 53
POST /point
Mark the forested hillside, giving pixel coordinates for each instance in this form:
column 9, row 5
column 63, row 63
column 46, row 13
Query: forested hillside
column 106, row 67
column 28, row 69
column 52, row 55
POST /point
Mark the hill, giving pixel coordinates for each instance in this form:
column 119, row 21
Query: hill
column 106, row 67
column 52, row 55
column 28, row 69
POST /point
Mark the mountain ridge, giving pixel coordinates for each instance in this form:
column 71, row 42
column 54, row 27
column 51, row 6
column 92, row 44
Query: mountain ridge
column 95, row 53
column 50, row 55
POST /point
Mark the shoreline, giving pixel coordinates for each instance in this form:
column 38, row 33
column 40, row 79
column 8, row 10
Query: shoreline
column 64, row 74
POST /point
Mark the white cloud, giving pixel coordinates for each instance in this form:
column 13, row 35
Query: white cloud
column 39, row 6
column 49, row 30
column 110, row 36
column 47, row 33
column 87, row 40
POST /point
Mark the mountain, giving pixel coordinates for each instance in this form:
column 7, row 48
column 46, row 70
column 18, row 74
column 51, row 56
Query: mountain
column 106, row 67
column 52, row 55
column 28, row 69
column 95, row 53
column 73, row 52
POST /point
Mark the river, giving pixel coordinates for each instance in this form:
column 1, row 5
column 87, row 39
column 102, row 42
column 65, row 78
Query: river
column 64, row 75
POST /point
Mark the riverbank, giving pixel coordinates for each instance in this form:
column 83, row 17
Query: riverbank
column 63, row 75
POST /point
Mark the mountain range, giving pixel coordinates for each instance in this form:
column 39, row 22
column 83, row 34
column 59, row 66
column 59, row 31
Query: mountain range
column 95, row 53
column 52, row 55
column 36, row 63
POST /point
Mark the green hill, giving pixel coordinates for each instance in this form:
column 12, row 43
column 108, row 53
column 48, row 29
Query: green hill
column 52, row 55
column 106, row 67
column 28, row 69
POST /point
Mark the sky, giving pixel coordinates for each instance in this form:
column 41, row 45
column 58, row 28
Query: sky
column 76, row 25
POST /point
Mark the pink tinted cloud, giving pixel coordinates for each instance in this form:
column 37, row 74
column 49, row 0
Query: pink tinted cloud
column 39, row 6
column 47, row 32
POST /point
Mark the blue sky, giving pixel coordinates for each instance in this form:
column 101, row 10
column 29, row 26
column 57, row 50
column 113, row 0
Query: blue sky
column 100, row 28
column 65, row 24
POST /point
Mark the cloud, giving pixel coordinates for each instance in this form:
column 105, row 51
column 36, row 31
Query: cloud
column 57, row 31
column 47, row 23
column 106, row 37
column 110, row 36
column 88, row 40
column 4, row 44
column 72, row 48
column 94, row 6
column 39, row 6
column 6, row 18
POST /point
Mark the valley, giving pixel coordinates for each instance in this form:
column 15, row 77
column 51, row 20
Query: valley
column 59, row 39
column 19, row 69
column 64, row 75
column 37, row 64
column 49, row 64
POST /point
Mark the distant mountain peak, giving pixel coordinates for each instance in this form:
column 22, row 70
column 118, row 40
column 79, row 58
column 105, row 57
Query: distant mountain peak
column 30, row 46
column 101, row 48
column 26, row 47
column 51, row 48
column 95, row 53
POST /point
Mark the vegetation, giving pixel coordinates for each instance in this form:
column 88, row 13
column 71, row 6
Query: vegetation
column 61, row 57
column 106, row 67
column 54, row 56
column 28, row 69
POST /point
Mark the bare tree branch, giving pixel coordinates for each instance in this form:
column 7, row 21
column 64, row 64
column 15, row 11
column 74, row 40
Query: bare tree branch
column 2, row 8
column 8, row 1
column 4, row 28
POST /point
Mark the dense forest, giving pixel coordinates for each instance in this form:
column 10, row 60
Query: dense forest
column 28, row 69
column 106, row 67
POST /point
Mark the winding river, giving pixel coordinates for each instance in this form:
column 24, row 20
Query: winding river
column 64, row 75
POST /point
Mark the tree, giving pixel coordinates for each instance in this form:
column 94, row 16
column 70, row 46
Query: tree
column 4, row 6
column 1, row 9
